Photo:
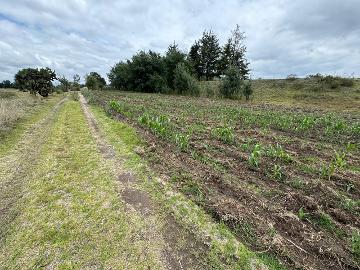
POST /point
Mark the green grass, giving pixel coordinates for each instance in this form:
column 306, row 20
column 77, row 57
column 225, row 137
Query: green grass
column 70, row 216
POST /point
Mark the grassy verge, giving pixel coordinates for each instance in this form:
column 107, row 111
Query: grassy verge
column 39, row 109
column 225, row 251
column 70, row 216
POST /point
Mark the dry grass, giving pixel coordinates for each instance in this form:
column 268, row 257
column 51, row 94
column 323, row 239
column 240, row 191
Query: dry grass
column 304, row 93
column 13, row 106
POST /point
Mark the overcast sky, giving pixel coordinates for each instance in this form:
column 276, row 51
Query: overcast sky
column 78, row 36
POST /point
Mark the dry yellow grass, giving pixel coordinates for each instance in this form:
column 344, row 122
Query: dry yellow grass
column 14, row 105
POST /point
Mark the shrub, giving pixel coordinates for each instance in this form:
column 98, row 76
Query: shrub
column 184, row 83
column 247, row 90
column 346, row 82
column 231, row 84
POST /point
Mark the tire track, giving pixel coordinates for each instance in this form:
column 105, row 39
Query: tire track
column 16, row 167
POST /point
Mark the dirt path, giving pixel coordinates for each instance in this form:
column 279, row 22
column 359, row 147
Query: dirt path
column 179, row 247
column 16, row 166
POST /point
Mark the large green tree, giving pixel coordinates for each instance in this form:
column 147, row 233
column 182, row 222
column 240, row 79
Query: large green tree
column 76, row 82
column 172, row 58
column 64, row 84
column 145, row 72
column 6, row 84
column 94, row 81
column 194, row 58
column 210, row 54
column 35, row 80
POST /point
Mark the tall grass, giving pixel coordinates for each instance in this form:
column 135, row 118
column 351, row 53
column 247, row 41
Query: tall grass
column 13, row 107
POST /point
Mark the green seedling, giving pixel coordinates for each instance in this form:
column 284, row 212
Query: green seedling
column 224, row 134
column 278, row 152
column 182, row 141
column 255, row 156
column 276, row 172
column 302, row 214
column 355, row 244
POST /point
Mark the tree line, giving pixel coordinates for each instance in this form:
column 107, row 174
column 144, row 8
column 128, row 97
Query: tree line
column 151, row 72
column 179, row 72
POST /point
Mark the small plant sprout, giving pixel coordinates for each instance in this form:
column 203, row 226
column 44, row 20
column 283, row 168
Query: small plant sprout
column 278, row 152
column 349, row 187
column 224, row 134
column 302, row 214
column 182, row 141
column 255, row 156
column 277, row 172
column 340, row 160
column 355, row 244
column 337, row 163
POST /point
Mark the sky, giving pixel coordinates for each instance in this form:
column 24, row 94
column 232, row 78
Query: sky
column 284, row 37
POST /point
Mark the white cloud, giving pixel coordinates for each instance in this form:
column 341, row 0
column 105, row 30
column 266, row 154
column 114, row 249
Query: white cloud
column 78, row 36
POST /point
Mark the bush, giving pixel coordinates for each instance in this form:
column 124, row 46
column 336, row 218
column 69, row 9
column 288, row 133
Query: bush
column 346, row 82
column 184, row 83
column 247, row 90
column 231, row 84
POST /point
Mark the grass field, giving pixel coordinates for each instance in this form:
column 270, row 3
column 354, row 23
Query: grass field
column 281, row 172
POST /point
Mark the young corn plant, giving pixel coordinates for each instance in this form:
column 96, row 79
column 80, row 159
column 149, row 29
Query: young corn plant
column 224, row 134
column 255, row 155
column 157, row 124
column 182, row 141
column 355, row 244
column 278, row 152
column 338, row 163
column 307, row 123
column 276, row 173
column 120, row 108
column 302, row 214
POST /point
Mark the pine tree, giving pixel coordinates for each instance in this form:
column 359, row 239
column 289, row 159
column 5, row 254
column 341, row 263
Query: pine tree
column 172, row 58
column 233, row 53
column 194, row 58
column 210, row 53
column 225, row 58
